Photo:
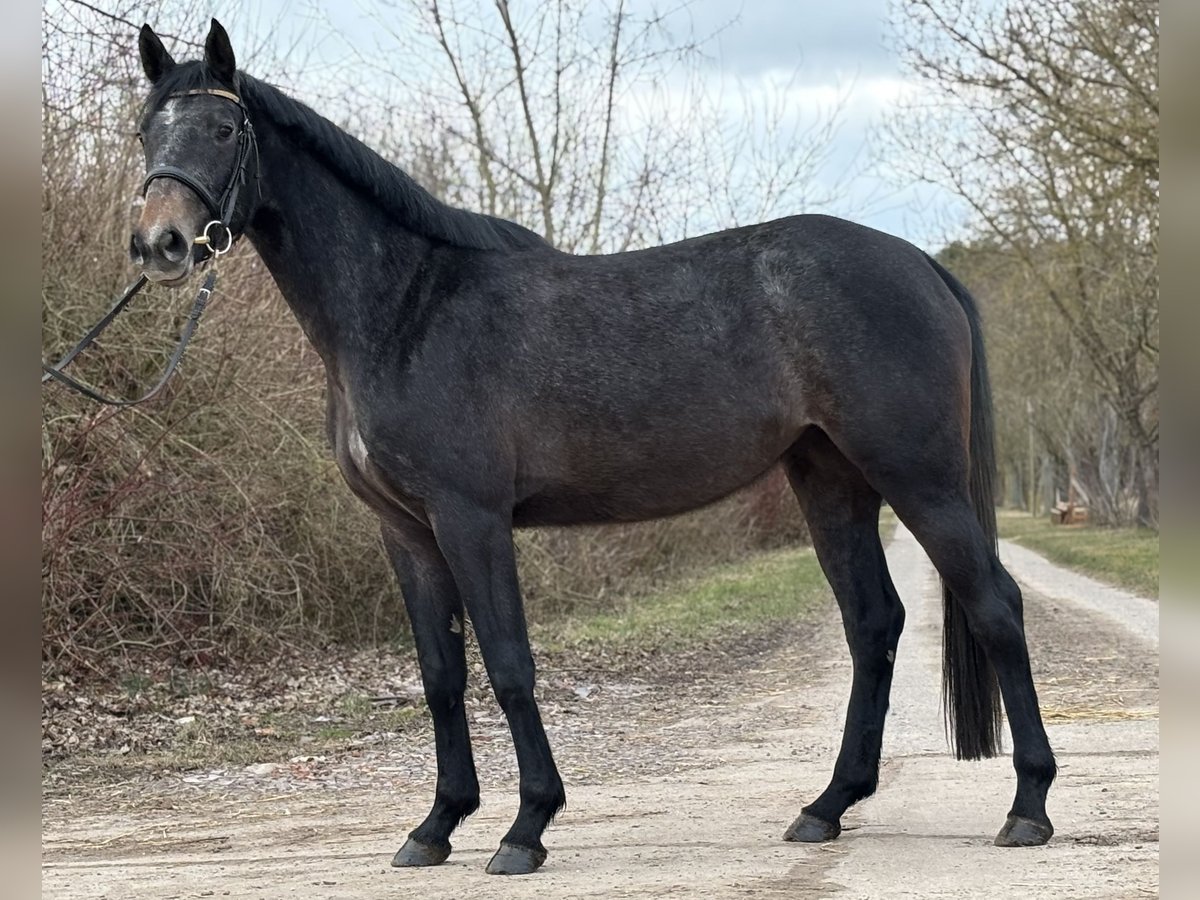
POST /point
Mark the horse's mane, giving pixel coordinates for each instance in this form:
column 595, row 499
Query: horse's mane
column 356, row 164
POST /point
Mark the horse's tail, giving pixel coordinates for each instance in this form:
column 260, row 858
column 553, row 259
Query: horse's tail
column 970, row 691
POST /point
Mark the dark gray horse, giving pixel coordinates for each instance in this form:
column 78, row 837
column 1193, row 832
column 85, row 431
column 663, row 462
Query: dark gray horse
column 479, row 380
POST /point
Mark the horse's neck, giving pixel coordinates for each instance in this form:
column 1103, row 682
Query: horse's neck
column 335, row 256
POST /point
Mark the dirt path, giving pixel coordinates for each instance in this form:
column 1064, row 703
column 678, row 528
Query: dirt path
column 689, row 799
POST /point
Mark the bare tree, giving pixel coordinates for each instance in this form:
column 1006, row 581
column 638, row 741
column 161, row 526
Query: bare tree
column 594, row 125
column 218, row 521
column 1043, row 116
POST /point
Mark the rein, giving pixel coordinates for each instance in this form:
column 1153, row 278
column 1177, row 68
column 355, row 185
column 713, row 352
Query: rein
column 56, row 372
column 223, row 210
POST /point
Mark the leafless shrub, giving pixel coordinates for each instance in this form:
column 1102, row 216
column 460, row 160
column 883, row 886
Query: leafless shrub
column 214, row 522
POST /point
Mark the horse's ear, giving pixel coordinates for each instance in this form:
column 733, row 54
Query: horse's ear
column 156, row 61
column 218, row 53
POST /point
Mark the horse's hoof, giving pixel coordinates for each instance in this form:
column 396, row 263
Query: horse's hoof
column 811, row 830
column 1021, row 832
column 513, row 860
column 416, row 853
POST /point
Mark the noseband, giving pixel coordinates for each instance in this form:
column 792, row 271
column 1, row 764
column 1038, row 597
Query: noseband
column 223, row 207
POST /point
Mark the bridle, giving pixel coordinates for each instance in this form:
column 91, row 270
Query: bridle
column 223, row 207
column 216, row 243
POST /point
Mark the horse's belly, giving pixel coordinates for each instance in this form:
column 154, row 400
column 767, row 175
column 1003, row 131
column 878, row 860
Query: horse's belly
column 665, row 483
column 572, row 507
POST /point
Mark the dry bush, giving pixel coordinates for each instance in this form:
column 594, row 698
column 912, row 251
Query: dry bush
column 213, row 521
column 210, row 520
column 214, row 517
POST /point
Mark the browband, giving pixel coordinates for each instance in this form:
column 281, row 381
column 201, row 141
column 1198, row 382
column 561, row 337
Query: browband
column 216, row 92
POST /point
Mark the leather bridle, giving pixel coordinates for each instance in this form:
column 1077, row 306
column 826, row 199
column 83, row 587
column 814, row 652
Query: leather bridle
column 223, row 207
column 215, row 243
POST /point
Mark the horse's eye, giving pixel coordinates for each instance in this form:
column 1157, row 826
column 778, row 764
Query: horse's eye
column 225, row 131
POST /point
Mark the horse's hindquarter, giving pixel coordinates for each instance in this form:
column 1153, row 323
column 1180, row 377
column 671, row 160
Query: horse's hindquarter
column 653, row 382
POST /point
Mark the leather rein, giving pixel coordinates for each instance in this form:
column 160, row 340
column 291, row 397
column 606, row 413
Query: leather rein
column 217, row 238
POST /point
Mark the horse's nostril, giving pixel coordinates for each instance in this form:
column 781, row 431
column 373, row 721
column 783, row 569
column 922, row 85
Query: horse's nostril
column 137, row 250
column 172, row 246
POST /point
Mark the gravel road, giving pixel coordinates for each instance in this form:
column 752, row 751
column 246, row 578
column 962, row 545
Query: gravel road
column 684, row 789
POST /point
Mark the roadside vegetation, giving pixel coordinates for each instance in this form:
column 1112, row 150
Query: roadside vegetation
column 212, row 527
column 325, row 703
column 1042, row 116
column 767, row 591
column 1125, row 557
column 214, row 524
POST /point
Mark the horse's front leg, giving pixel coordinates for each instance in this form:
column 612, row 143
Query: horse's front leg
column 477, row 543
column 436, row 612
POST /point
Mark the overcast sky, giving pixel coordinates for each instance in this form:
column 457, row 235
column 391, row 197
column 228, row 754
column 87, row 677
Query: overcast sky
column 839, row 45
column 821, row 48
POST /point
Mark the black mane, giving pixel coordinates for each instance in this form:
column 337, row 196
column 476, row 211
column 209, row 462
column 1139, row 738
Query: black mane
column 357, row 165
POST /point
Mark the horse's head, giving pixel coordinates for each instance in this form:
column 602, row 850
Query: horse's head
column 199, row 150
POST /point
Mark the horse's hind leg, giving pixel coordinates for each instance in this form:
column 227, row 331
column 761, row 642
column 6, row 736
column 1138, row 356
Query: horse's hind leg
column 843, row 518
column 436, row 613
column 921, row 467
column 947, row 528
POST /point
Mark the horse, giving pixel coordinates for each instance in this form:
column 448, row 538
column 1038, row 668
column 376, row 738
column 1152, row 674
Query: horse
column 480, row 380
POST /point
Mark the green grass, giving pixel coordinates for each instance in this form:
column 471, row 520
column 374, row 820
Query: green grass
column 772, row 587
column 1125, row 557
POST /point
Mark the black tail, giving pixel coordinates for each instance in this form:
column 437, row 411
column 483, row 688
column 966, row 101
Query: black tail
column 970, row 691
